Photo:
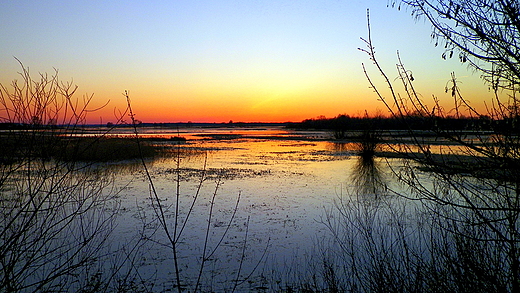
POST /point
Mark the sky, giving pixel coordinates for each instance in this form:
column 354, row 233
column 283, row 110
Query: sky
column 216, row 61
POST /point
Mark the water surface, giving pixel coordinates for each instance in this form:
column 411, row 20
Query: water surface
column 283, row 181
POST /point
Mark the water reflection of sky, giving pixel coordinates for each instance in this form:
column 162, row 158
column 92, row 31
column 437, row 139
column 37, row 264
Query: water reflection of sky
column 284, row 187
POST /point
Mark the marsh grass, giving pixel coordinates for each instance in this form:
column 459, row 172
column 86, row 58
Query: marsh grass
column 54, row 145
column 105, row 149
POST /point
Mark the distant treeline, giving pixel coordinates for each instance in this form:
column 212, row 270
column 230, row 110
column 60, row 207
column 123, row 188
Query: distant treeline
column 22, row 126
column 346, row 123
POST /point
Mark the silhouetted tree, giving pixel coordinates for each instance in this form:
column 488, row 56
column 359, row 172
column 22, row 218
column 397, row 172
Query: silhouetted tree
column 484, row 33
column 471, row 186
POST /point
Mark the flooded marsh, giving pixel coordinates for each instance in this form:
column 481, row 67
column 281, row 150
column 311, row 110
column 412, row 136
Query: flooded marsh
column 225, row 209
column 280, row 186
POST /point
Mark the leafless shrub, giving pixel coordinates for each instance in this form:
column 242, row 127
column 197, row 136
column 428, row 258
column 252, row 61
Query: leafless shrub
column 55, row 217
column 173, row 220
column 468, row 191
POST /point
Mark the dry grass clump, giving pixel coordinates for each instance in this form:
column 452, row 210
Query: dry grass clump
column 48, row 146
column 103, row 149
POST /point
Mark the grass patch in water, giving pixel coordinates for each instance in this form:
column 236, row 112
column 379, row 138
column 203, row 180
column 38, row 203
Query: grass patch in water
column 19, row 146
column 105, row 149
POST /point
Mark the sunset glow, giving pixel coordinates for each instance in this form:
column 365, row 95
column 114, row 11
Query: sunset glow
column 206, row 61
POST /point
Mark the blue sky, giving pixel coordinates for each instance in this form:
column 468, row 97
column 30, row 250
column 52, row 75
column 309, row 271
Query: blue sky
column 221, row 60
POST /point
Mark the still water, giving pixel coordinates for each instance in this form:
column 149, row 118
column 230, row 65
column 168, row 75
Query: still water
column 260, row 208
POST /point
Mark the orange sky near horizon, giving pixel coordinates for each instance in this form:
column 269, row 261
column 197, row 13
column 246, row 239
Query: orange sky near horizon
column 211, row 103
column 201, row 61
